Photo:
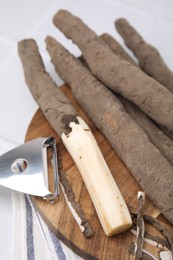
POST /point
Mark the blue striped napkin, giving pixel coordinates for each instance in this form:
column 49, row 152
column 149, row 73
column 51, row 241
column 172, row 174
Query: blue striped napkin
column 32, row 239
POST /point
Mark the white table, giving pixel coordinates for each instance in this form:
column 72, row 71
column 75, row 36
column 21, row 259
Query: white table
column 21, row 19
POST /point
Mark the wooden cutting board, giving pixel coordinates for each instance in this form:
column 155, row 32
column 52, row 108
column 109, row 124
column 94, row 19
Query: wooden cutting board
column 60, row 219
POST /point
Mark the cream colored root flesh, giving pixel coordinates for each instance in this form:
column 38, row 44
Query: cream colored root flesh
column 106, row 197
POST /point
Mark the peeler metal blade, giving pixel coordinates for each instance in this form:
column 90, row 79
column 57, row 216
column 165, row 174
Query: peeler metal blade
column 25, row 168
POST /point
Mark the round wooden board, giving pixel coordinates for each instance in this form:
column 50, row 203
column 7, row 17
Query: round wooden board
column 59, row 217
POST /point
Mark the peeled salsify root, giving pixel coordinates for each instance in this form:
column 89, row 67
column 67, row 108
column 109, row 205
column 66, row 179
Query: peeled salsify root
column 107, row 199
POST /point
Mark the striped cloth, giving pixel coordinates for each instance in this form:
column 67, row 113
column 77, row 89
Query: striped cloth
column 32, row 239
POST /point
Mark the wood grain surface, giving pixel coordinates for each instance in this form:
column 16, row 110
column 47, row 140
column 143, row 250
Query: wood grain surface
column 59, row 217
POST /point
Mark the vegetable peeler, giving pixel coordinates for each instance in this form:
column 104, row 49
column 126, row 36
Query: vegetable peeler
column 25, row 168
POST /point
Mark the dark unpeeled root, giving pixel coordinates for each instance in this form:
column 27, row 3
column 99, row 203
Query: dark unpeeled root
column 153, row 128
column 168, row 133
column 52, row 101
column 161, row 140
column 57, row 109
column 119, row 75
column 150, row 168
column 149, row 58
column 117, row 48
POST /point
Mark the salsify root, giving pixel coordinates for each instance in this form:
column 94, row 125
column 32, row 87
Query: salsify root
column 117, row 48
column 119, row 75
column 149, row 58
column 157, row 136
column 58, row 111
